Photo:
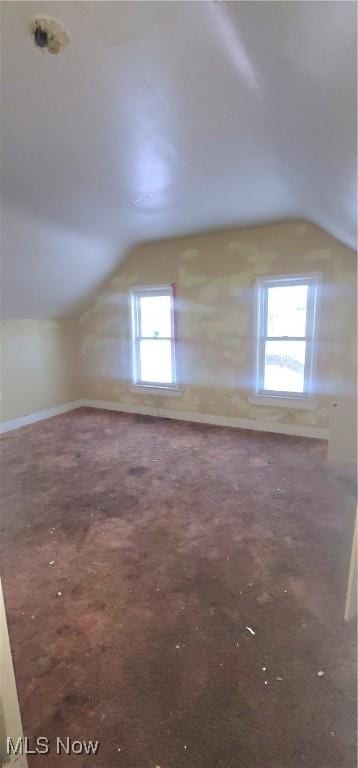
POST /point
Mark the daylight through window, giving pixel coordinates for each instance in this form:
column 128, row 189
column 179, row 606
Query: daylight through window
column 285, row 339
column 153, row 336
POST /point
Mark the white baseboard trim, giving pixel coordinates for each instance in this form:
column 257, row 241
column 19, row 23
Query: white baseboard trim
column 298, row 430
column 31, row 418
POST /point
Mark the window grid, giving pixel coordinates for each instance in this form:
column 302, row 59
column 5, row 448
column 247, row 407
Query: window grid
column 262, row 338
column 137, row 294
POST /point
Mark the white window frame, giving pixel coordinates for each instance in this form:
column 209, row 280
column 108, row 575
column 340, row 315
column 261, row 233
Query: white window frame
column 136, row 293
column 263, row 285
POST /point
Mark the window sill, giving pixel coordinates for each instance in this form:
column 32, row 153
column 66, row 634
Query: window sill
column 299, row 403
column 156, row 390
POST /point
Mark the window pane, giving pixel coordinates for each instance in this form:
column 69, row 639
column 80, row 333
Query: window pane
column 156, row 361
column 284, row 366
column 286, row 310
column 155, row 315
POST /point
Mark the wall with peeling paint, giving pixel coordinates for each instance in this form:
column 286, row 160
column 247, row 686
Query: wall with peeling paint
column 216, row 310
column 39, row 365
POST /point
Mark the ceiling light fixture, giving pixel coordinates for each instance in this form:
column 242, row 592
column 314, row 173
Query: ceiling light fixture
column 48, row 33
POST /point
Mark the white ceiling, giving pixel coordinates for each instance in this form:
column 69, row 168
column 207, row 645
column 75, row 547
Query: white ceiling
column 166, row 118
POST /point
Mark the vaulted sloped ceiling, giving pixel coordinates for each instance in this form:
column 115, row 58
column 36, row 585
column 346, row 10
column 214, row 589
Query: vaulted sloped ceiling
column 166, row 118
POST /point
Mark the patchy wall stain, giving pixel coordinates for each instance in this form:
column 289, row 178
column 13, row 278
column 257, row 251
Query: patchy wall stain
column 240, row 279
column 190, row 254
column 243, row 249
column 320, row 254
column 216, row 318
column 262, row 256
column 190, row 279
column 262, row 269
column 263, row 413
column 236, row 400
column 210, row 292
column 123, row 282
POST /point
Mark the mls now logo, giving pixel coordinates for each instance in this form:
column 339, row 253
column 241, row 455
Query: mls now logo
column 41, row 746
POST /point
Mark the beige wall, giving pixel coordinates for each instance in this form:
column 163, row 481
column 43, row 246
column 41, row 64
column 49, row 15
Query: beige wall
column 215, row 277
column 38, row 365
column 48, row 363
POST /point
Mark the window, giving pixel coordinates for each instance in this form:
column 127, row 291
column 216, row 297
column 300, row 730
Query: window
column 153, row 336
column 285, row 335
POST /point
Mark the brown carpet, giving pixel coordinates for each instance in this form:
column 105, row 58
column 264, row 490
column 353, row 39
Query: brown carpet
column 202, row 574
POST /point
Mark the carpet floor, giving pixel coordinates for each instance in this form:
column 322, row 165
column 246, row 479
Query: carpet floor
column 175, row 591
